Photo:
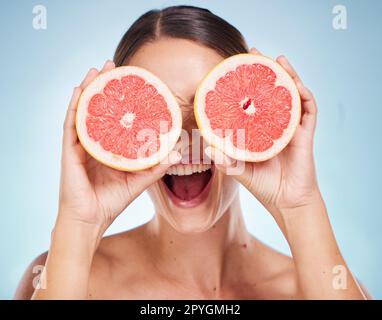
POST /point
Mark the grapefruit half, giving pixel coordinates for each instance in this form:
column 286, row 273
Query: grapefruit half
column 128, row 119
column 248, row 107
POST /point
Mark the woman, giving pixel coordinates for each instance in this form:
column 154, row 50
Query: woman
column 195, row 247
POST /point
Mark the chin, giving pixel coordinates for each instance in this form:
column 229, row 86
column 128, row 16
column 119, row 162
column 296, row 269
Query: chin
column 192, row 198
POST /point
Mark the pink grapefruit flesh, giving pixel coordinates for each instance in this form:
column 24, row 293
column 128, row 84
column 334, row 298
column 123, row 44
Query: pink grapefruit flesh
column 248, row 107
column 128, row 119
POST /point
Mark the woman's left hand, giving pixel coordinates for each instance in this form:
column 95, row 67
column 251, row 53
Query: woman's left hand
column 287, row 187
column 288, row 180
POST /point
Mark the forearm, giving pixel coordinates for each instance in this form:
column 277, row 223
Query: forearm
column 322, row 272
column 67, row 269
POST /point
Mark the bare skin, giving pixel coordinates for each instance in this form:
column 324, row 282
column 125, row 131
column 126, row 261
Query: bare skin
column 200, row 254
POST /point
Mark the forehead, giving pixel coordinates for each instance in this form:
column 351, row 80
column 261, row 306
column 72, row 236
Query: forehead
column 180, row 63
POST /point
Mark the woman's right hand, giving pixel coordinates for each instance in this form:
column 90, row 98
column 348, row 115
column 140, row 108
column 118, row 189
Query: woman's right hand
column 91, row 192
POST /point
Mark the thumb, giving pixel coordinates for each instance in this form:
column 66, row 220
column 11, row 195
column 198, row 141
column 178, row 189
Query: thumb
column 139, row 181
column 160, row 169
column 226, row 164
column 150, row 175
column 240, row 170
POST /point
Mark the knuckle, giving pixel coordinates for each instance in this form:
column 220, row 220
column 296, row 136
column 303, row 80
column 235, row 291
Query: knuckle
column 66, row 126
column 308, row 92
column 313, row 108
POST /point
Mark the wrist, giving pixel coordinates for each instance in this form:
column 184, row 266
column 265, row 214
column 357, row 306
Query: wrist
column 289, row 215
column 315, row 250
column 68, row 266
column 77, row 238
column 69, row 216
column 308, row 204
column 311, row 217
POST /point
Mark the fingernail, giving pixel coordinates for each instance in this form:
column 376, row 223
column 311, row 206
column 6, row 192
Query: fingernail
column 110, row 62
column 175, row 157
column 208, row 151
column 300, row 86
column 227, row 161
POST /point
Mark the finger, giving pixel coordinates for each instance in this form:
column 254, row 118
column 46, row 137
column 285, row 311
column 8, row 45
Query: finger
column 283, row 61
column 143, row 179
column 70, row 135
column 221, row 161
column 154, row 173
column 227, row 165
column 254, row 51
column 109, row 65
column 92, row 73
column 224, row 163
column 309, row 108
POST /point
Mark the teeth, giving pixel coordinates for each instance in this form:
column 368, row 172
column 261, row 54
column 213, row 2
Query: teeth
column 185, row 170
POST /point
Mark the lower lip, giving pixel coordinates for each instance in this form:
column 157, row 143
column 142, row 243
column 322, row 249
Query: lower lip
column 200, row 198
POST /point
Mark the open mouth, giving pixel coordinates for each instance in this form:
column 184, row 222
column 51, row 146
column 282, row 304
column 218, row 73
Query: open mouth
column 188, row 185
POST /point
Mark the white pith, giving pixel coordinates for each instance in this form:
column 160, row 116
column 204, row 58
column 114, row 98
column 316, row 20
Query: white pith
column 127, row 120
column 251, row 109
column 225, row 144
column 188, row 169
column 167, row 140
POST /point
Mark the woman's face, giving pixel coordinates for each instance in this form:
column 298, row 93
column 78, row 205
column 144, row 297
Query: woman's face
column 190, row 201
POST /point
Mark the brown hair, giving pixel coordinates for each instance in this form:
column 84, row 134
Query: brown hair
column 185, row 22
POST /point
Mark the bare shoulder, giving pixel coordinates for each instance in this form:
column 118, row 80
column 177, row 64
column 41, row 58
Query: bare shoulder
column 30, row 278
column 118, row 259
column 115, row 248
column 279, row 279
column 111, row 253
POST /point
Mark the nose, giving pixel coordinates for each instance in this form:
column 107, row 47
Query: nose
column 191, row 143
column 188, row 118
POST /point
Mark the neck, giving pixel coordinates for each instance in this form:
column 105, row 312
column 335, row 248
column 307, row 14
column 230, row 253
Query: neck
column 201, row 259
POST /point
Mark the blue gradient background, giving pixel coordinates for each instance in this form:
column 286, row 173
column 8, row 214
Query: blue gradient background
column 343, row 68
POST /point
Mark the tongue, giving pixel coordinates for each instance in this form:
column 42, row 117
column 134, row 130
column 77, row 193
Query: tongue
column 188, row 187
